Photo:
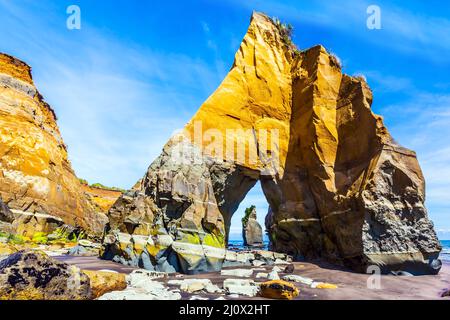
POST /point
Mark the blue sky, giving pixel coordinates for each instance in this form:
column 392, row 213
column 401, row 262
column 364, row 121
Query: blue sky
column 138, row 70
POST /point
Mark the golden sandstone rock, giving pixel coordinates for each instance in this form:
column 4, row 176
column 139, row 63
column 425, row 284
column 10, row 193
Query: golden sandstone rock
column 101, row 199
column 278, row 289
column 256, row 94
column 338, row 185
column 7, row 249
column 103, row 282
column 35, row 173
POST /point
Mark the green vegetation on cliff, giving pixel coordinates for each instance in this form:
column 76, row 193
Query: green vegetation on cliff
column 248, row 212
column 98, row 185
column 286, row 31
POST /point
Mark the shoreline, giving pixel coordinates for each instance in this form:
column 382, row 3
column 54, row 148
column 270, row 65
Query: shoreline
column 351, row 285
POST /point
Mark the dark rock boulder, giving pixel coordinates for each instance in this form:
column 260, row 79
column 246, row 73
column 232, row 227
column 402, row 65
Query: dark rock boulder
column 5, row 214
column 33, row 275
column 446, row 293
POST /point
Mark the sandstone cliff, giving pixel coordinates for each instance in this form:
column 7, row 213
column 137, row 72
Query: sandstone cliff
column 35, row 173
column 101, row 199
column 338, row 185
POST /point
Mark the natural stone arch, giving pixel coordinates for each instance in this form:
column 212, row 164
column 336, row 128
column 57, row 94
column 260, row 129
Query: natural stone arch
column 342, row 189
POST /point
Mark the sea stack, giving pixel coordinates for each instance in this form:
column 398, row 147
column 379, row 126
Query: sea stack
column 339, row 187
column 251, row 230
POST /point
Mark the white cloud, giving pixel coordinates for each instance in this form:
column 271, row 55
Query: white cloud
column 117, row 103
column 422, row 123
column 205, row 27
column 386, row 83
column 405, row 31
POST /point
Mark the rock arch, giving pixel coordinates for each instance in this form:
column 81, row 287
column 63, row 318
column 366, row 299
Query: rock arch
column 338, row 186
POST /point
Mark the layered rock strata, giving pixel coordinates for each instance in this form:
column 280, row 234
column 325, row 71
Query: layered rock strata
column 339, row 187
column 35, row 173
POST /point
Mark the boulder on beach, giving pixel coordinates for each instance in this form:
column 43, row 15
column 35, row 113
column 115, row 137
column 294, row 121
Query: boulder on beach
column 278, row 289
column 243, row 287
column 195, row 285
column 32, row 275
column 85, row 248
column 103, row 282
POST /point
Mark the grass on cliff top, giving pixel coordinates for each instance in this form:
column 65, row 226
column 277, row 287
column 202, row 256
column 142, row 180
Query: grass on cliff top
column 248, row 212
column 286, row 31
column 100, row 186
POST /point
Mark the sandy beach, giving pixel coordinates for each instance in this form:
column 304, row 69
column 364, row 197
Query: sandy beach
column 351, row 286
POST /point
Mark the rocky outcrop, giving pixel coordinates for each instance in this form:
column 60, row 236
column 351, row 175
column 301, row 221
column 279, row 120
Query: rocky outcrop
column 101, row 199
column 242, row 287
column 34, row 276
column 358, row 196
column 338, row 185
column 251, row 230
column 28, row 224
column 35, row 173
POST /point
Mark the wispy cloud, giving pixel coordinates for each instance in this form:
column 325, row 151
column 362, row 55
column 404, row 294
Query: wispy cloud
column 444, row 234
column 422, row 123
column 402, row 30
column 117, row 103
column 214, row 47
column 387, row 83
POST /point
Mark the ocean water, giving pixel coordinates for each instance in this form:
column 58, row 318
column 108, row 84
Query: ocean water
column 238, row 244
column 445, row 254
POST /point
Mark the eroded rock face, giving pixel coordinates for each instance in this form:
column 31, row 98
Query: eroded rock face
column 101, row 199
column 338, row 185
column 28, row 224
column 349, row 193
column 35, row 173
column 252, row 231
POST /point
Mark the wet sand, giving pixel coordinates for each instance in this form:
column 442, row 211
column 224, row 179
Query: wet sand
column 95, row 263
column 352, row 286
